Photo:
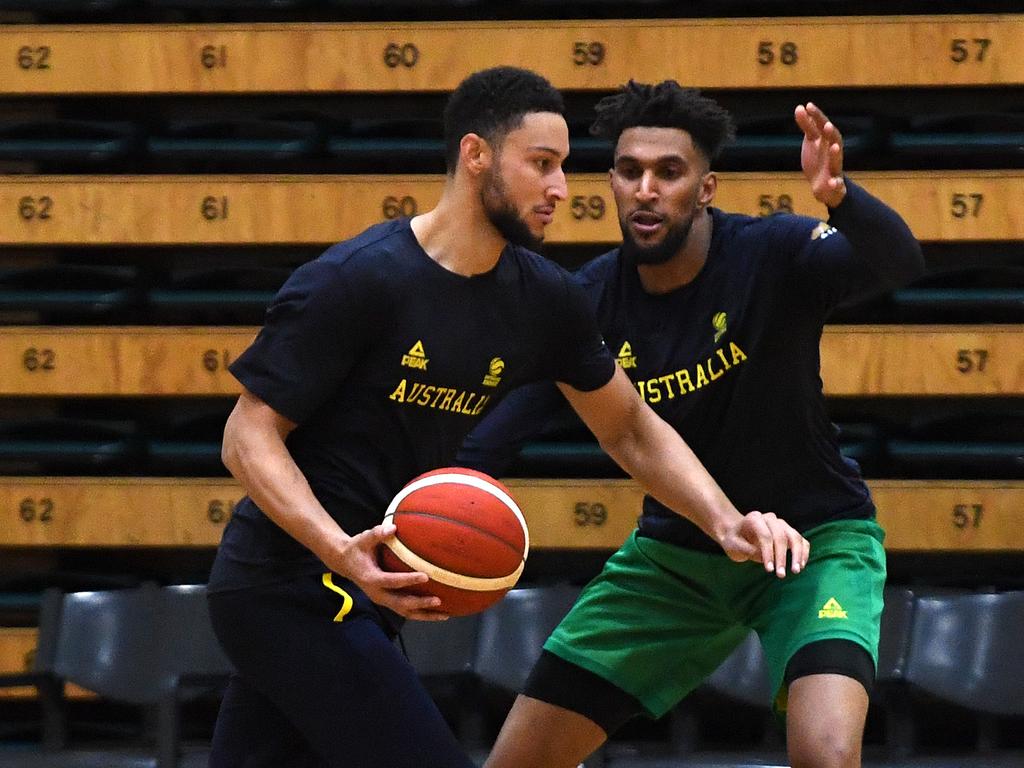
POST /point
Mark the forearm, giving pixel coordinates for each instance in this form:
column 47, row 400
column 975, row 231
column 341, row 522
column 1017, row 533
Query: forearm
column 657, row 457
column 266, row 471
column 879, row 235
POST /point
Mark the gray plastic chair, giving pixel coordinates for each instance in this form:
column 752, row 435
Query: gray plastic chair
column 966, row 649
column 442, row 654
column 192, row 663
column 49, row 689
column 513, row 632
column 105, row 642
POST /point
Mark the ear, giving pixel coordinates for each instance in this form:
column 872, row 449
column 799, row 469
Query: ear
column 475, row 154
column 708, row 187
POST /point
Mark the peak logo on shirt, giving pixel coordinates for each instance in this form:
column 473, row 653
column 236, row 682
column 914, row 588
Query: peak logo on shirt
column 720, row 324
column 626, row 358
column 494, row 371
column 822, row 231
column 416, row 357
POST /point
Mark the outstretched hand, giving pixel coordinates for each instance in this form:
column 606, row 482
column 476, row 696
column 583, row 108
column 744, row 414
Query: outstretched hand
column 821, row 155
column 765, row 538
column 356, row 560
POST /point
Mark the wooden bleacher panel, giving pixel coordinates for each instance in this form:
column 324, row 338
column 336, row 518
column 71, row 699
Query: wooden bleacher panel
column 165, row 361
column 923, row 360
column 17, row 646
column 121, row 361
column 881, row 51
column 268, row 210
column 934, row 515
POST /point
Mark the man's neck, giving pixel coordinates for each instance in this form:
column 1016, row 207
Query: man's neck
column 458, row 235
column 685, row 265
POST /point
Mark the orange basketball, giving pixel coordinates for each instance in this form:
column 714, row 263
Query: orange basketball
column 464, row 530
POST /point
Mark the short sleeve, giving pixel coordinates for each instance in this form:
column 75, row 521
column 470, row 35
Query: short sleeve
column 579, row 356
column 315, row 330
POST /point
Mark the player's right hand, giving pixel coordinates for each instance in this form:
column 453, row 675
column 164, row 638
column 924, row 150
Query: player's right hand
column 767, row 539
column 356, row 560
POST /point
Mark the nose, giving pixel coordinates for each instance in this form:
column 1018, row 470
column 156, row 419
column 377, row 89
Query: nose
column 559, row 190
column 646, row 190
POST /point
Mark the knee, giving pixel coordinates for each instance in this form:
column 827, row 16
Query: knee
column 830, row 751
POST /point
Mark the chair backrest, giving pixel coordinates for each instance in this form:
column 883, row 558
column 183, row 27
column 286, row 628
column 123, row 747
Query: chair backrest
column 442, row 648
column 188, row 647
column 894, row 639
column 513, row 632
column 743, row 676
column 965, row 649
column 107, row 643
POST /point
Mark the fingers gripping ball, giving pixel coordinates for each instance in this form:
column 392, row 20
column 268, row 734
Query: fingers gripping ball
column 463, row 529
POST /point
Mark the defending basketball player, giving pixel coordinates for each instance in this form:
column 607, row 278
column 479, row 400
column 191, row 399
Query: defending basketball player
column 375, row 361
column 717, row 318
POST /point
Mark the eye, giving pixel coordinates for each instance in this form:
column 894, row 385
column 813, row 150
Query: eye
column 544, row 164
column 671, row 173
column 628, row 171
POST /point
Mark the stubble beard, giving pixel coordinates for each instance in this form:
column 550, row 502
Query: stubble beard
column 658, row 253
column 503, row 215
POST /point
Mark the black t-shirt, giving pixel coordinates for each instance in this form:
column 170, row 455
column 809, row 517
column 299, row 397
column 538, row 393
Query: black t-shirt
column 731, row 359
column 386, row 360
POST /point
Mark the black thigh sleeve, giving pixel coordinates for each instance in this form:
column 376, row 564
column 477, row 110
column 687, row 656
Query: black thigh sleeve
column 559, row 682
column 833, row 657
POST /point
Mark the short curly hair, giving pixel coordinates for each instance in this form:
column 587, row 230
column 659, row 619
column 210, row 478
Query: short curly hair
column 665, row 105
column 492, row 102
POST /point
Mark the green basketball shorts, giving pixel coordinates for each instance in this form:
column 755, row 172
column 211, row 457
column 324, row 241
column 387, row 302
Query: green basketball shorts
column 659, row 618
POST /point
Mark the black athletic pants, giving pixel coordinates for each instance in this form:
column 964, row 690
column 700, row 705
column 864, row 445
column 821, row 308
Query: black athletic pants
column 320, row 683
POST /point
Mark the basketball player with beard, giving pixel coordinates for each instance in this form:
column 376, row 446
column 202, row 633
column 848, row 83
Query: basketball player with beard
column 717, row 319
column 375, row 361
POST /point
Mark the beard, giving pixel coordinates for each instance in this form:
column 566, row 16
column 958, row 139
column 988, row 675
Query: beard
column 675, row 238
column 503, row 215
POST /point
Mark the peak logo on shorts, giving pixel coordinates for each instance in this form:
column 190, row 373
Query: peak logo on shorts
column 626, row 358
column 832, row 610
column 720, row 323
column 822, row 231
column 416, row 357
column 494, row 371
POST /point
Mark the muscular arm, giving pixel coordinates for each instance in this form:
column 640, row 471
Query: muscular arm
column 254, row 451
column 658, row 458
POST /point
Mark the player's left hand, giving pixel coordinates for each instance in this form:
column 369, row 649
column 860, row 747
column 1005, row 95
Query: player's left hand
column 771, row 538
column 821, row 155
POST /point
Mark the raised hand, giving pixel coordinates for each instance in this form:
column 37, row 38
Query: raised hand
column 821, row 155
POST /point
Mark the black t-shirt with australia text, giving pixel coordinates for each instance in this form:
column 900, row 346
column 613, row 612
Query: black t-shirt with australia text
column 385, row 360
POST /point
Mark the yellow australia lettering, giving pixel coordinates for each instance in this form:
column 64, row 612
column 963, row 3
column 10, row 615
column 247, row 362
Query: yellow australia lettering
column 399, row 393
column 721, row 355
column 425, row 394
column 441, row 398
column 683, row 379
column 688, row 379
column 653, row 392
column 667, row 380
column 453, row 403
column 711, row 370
